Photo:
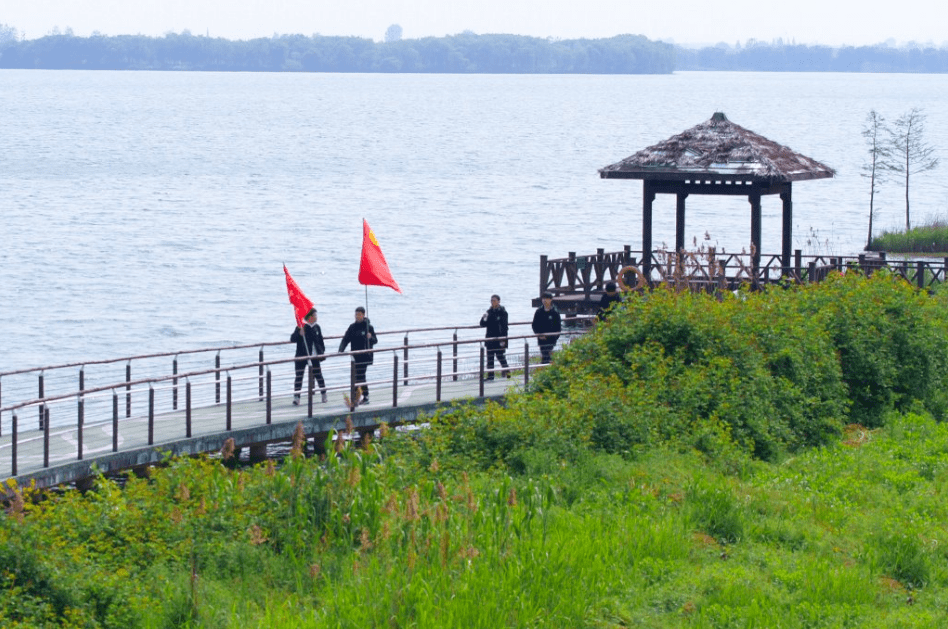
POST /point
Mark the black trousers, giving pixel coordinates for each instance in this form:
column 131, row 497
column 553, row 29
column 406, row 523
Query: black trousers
column 494, row 349
column 546, row 350
column 360, row 369
column 317, row 372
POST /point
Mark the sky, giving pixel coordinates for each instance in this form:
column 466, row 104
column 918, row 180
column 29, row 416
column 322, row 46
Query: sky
column 694, row 22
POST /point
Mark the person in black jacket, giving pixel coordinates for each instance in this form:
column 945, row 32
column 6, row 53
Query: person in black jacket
column 611, row 296
column 495, row 320
column 360, row 336
column 546, row 323
column 309, row 344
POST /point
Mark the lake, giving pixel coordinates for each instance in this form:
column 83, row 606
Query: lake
column 152, row 211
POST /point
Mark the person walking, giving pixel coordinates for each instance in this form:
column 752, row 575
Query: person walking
column 611, row 296
column 310, row 346
column 495, row 320
column 546, row 323
column 360, row 336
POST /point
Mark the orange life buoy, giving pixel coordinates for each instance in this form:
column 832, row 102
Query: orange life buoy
column 639, row 285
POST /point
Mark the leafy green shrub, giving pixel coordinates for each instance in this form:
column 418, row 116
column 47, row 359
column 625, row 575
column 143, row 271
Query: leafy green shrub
column 891, row 339
column 674, row 361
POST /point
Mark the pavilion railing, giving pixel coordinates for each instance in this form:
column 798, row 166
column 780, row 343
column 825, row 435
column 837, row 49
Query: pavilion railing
column 580, row 276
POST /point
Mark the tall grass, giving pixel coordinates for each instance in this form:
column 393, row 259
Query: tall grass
column 931, row 239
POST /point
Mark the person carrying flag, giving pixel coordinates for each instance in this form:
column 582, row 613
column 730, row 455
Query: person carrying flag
column 311, row 347
column 360, row 336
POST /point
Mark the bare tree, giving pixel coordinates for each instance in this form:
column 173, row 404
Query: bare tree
column 910, row 154
column 878, row 152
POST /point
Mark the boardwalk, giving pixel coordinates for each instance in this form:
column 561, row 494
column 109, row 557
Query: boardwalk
column 66, row 429
column 59, row 463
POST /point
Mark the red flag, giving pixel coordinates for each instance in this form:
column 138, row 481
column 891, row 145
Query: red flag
column 301, row 303
column 373, row 269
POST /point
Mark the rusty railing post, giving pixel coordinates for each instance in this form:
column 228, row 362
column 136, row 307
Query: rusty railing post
column 405, row 363
column 260, row 374
column 128, row 389
column 187, row 407
column 115, row 417
column 311, row 386
column 45, row 410
column 217, row 378
column 174, row 384
column 438, row 382
column 13, row 445
column 395, row 376
column 80, row 412
column 229, row 412
column 480, row 377
column 41, row 396
column 269, row 397
column 352, row 385
column 454, row 348
column 151, row 415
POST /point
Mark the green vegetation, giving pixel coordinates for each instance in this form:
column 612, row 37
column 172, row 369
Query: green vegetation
column 769, row 460
column 929, row 239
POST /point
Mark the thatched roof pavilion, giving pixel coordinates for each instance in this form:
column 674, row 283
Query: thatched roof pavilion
column 722, row 158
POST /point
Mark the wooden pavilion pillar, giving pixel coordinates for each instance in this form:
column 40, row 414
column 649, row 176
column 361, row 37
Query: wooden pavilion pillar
column 648, row 197
column 755, row 231
column 786, row 196
column 680, row 223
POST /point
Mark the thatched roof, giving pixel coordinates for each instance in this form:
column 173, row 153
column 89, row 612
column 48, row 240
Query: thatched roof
column 718, row 148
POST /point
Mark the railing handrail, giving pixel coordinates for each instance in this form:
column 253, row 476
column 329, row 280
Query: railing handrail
column 125, row 384
column 106, row 361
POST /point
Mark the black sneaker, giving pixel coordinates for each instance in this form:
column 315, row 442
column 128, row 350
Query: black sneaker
column 364, row 400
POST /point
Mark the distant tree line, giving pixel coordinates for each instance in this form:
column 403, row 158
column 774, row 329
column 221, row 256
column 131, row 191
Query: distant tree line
column 463, row 53
column 778, row 56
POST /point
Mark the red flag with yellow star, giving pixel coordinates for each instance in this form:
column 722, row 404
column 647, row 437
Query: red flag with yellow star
column 373, row 269
column 301, row 304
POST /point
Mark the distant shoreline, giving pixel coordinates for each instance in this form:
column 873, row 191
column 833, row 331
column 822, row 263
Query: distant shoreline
column 466, row 53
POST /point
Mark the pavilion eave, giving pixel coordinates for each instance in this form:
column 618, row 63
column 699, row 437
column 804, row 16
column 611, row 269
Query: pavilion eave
column 735, row 175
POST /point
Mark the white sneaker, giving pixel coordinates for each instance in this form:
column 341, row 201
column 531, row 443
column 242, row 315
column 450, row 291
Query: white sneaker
column 296, row 400
column 325, row 398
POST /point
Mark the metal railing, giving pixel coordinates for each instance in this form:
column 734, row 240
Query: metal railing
column 107, row 405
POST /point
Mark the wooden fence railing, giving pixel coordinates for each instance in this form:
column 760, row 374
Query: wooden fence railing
column 579, row 276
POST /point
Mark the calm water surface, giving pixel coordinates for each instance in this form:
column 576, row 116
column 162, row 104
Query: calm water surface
column 145, row 212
